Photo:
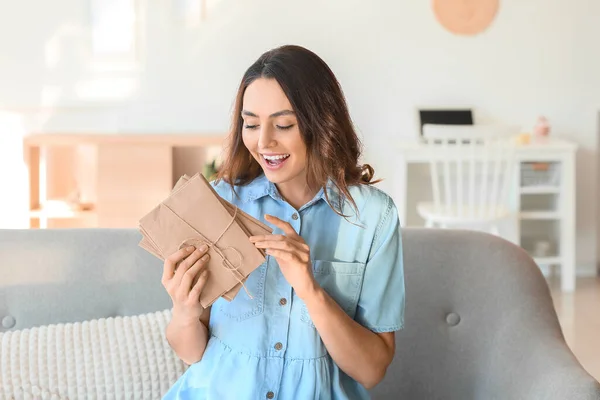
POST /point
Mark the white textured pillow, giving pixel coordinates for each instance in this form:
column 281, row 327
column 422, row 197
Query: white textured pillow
column 107, row 358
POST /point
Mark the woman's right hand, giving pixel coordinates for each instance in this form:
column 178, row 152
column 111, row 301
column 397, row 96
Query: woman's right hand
column 184, row 277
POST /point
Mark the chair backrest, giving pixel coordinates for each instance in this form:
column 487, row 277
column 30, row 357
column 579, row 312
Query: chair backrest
column 471, row 168
column 479, row 324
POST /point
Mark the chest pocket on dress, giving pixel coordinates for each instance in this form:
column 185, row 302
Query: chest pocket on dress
column 242, row 306
column 342, row 281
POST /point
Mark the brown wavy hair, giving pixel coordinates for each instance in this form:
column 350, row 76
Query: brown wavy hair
column 333, row 147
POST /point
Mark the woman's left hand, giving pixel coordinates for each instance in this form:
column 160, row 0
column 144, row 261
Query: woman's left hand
column 292, row 254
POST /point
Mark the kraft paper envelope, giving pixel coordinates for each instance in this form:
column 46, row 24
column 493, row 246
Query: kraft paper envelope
column 249, row 224
column 238, row 275
column 194, row 214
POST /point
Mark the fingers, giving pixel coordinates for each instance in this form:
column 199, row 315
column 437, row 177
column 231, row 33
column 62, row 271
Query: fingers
column 262, row 238
column 190, row 275
column 270, row 238
column 284, row 226
column 188, row 262
column 294, row 254
column 283, row 255
column 199, row 286
column 282, row 245
column 172, row 260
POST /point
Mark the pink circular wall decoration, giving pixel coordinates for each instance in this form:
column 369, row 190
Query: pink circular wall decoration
column 465, row 17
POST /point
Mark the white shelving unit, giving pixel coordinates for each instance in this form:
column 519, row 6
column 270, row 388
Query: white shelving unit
column 542, row 189
column 548, row 260
column 551, row 183
column 540, row 215
column 546, row 203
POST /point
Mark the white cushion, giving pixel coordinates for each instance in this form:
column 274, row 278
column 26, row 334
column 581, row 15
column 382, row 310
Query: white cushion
column 107, row 358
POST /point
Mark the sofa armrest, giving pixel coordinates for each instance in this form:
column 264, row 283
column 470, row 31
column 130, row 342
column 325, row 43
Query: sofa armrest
column 547, row 370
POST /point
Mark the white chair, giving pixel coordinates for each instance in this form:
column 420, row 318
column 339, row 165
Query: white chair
column 471, row 170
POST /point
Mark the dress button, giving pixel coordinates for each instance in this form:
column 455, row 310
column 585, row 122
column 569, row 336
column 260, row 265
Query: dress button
column 295, row 216
column 278, row 346
column 282, row 301
column 270, row 395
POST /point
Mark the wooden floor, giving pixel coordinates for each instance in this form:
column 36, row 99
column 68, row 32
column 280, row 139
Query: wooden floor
column 579, row 315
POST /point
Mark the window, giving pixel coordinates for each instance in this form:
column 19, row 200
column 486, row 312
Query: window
column 115, row 32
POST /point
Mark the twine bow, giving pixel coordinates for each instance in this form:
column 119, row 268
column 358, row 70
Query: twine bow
column 234, row 269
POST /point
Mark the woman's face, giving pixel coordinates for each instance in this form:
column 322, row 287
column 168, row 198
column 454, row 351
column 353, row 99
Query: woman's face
column 271, row 134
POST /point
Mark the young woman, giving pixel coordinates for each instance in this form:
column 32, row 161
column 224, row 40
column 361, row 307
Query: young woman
column 326, row 303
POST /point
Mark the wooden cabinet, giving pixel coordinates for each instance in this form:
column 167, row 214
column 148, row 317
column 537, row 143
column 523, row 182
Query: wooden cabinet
column 108, row 180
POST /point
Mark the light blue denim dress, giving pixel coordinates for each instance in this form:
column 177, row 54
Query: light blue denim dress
column 267, row 347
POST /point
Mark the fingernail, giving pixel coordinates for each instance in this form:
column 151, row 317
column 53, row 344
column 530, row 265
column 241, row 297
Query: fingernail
column 203, row 247
column 190, row 248
column 205, row 257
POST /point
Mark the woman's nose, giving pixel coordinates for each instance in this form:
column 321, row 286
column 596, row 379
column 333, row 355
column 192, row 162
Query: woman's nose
column 265, row 139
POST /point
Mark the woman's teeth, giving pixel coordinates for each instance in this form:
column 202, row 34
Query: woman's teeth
column 275, row 161
column 274, row 158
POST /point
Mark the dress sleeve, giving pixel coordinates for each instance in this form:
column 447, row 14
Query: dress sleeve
column 382, row 298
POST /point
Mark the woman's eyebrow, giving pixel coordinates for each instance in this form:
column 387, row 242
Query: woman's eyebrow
column 274, row 115
column 281, row 113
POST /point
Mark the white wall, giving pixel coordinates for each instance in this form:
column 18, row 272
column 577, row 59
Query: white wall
column 538, row 57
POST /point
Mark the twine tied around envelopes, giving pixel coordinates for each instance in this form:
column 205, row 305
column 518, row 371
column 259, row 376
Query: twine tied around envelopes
column 234, row 269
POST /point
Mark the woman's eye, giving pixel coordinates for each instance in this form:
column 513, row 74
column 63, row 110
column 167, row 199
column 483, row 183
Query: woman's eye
column 283, row 128
column 250, row 126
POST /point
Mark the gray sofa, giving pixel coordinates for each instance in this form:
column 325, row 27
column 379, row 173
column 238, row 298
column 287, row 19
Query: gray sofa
column 83, row 314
